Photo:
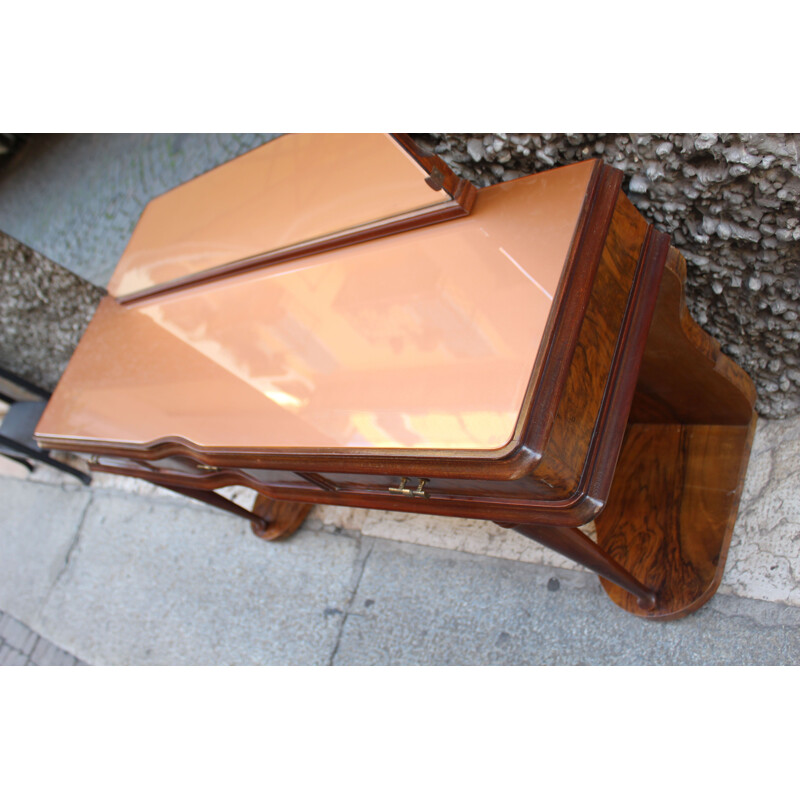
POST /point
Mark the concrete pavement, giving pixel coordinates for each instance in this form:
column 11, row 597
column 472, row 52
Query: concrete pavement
column 116, row 577
column 22, row 647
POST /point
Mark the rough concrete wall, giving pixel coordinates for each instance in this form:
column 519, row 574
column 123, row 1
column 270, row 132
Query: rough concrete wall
column 730, row 203
column 44, row 310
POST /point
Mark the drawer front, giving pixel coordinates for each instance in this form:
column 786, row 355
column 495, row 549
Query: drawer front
column 329, row 486
column 433, row 487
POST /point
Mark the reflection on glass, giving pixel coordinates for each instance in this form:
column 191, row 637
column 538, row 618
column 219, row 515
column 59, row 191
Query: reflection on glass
column 296, row 189
column 426, row 339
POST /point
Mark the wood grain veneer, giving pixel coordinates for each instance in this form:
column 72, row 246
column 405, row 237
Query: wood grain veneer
column 622, row 409
column 281, row 519
column 670, row 514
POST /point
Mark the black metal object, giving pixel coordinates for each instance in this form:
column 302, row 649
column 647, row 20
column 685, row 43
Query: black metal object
column 17, row 442
column 14, row 388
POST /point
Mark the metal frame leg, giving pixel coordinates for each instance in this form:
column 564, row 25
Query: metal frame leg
column 19, row 461
column 44, row 457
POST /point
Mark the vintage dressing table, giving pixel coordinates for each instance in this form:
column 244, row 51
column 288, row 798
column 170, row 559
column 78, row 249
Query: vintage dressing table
column 340, row 319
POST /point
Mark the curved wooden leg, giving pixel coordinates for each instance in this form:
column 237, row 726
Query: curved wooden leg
column 270, row 519
column 278, row 519
column 573, row 543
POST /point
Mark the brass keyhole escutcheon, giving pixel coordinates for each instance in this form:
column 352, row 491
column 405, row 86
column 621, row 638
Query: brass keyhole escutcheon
column 403, row 488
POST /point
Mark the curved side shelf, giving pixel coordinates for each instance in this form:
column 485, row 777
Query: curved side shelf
column 684, row 377
column 671, row 512
column 675, row 495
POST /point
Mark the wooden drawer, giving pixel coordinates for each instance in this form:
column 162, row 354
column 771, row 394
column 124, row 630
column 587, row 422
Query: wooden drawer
column 433, row 487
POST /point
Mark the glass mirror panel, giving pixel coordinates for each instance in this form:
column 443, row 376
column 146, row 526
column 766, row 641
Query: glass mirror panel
column 295, row 195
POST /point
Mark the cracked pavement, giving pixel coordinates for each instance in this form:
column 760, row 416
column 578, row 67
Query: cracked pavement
column 128, row 573
column 146, row 577
column 360, row 565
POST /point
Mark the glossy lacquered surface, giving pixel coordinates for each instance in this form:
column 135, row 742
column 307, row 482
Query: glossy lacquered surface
column 421, row 340
column 295, row 189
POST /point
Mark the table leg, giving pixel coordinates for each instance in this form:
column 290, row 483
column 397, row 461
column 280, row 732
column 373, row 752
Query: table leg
column 576, row 545
column 282, row 518
column 213, row 499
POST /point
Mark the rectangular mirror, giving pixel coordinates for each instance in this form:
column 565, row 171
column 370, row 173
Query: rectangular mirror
column 296, row 195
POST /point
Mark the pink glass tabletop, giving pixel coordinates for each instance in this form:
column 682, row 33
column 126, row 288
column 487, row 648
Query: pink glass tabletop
column 421, row 340
column 298, row 188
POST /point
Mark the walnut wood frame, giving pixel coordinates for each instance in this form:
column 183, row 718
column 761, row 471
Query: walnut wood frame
column 627, row 394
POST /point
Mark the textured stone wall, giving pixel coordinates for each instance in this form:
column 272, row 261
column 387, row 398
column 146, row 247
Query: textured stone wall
column 731, row 203
column 44, row 310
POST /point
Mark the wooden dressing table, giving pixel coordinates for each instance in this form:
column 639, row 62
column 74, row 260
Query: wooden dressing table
column 340, row 319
